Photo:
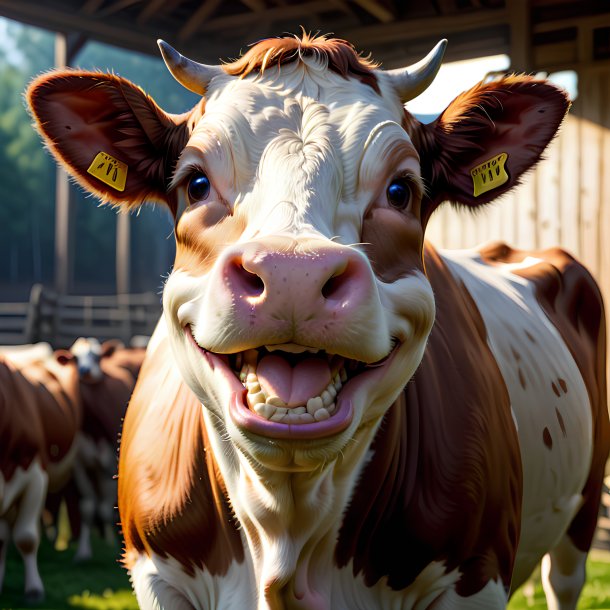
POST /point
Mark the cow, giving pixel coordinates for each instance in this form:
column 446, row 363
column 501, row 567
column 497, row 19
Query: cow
column 40, row 419
column 107, row 374
column 332, row 413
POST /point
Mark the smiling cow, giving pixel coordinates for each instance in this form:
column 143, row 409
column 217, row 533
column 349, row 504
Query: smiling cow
column 384, row 425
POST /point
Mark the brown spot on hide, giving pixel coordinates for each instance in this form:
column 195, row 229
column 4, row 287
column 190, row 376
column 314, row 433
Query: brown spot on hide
column 530, row 337
column 431, row 490
column 547, row 438
column 555, row 389
column 563, row 385
column 516, row 354
column 522, row 379
column 562, row 424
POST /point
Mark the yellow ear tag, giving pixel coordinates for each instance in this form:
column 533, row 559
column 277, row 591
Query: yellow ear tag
column 109, row 170
column 489, row 175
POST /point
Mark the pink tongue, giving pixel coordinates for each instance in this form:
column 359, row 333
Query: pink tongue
column 295, row 386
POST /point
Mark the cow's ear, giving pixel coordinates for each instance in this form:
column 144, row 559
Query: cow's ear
column 109, row 135
column 110, row 346
column 481, row 145
column 63, row 356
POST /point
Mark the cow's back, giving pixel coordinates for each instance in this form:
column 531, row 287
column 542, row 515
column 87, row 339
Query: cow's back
column 544, row 321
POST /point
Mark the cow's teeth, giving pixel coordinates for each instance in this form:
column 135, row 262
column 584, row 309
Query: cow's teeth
column 264, row 410
column 298, row 410
column 254, row 399
column 331, row 408
column 277, row 416
column 313, row 404
column 253, row 387
column 332, row 390
column 276, row 401
column 327, row 399
column 343, row 375
column 251, row 378
column 321, row 414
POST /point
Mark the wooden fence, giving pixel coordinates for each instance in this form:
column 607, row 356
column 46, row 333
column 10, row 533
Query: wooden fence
column 60, row 319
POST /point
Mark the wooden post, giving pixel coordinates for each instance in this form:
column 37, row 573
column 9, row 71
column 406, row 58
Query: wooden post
column 64, row 235
column 123, row 253
column 521, row 59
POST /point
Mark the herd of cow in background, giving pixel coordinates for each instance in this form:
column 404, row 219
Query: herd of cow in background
column 60, row 412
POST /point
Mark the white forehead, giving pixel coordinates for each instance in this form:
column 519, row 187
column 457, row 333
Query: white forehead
column 297, row 140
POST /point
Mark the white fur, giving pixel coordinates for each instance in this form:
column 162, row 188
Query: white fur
column 552, row 479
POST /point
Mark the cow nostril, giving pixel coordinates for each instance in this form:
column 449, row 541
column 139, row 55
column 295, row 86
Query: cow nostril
column 250, row 283
column 338, row 284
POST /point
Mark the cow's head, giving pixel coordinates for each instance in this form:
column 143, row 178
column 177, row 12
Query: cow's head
column 89, row 353
column 298, row 306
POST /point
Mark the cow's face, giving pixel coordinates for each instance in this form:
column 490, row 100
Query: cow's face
column 298, row 303
column 89, row 352
column 298, row 307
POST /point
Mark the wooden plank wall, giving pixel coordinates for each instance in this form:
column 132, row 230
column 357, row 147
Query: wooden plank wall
column 565, row 201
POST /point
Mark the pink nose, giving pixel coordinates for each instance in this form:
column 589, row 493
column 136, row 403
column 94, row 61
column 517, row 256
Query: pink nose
column 304, row 282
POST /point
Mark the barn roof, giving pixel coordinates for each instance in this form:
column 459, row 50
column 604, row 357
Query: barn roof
column 394, row 31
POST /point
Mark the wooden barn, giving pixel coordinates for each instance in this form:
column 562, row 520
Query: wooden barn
column 565, row 201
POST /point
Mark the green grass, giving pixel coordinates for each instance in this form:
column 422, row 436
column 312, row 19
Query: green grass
column 102, row 584
column 595, row 595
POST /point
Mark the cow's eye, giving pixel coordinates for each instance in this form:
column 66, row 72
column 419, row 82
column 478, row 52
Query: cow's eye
column 399, row 193
column 199, row 187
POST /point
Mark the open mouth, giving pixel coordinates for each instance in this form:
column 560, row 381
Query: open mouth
column 291, row 391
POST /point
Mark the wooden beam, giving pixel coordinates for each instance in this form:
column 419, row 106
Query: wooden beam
column 256, row 6
column 377, row 9
column 123, row 253
column 428, row 27
column 521, row 59
column 199, row 16
column 154, row 7
column 91, row 6
column 117, row 6
column 64, row 212
column 273, row 14
column 119, row 31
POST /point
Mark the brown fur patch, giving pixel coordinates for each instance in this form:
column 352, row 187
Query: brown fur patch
column 172, row 500
column 340, row 55
column 40, row 413
column 431, row 490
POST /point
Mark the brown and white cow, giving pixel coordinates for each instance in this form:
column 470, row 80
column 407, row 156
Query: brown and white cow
column 384, row 425
column 40, row 418
column 107, row 373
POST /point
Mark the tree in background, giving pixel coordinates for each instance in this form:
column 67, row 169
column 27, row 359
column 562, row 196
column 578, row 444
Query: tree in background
column 27, row 176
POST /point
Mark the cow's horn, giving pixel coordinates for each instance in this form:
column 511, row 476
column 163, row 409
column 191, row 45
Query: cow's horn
column 190, row 74
column 415, row 79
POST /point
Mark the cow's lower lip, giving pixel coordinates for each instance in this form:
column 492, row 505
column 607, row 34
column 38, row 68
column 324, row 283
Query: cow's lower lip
column 249, row 421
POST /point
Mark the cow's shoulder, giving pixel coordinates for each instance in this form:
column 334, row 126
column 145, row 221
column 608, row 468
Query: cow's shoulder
column 172, row 499
column 444, row 480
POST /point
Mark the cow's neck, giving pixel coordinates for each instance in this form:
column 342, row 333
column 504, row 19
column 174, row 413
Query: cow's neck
column 291, row 520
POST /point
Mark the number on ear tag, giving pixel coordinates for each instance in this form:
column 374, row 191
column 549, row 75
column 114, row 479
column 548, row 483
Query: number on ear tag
column 109, row 170
column 489, row 175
